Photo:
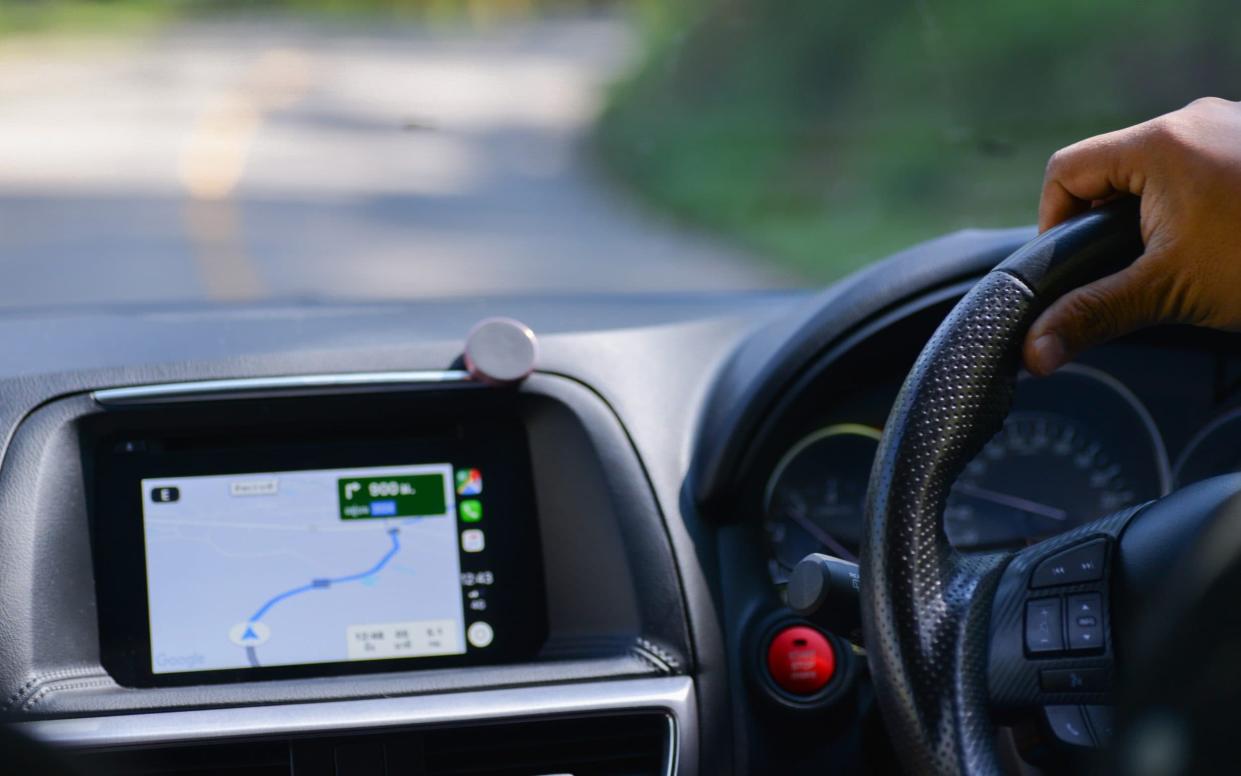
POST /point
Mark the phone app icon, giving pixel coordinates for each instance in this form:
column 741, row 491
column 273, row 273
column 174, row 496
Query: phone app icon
column 469, row 482
column 473, row 540
column 471, row 510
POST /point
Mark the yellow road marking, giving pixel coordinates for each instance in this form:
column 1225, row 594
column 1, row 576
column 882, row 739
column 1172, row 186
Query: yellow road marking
column 213, row 163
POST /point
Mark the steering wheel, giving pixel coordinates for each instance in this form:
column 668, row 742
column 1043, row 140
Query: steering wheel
column 956, row 642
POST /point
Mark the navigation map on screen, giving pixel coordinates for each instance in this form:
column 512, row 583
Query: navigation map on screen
column 291, row 568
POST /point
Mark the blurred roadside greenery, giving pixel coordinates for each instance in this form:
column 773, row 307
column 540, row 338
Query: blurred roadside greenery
column 825, row 133
column 111, row 17
column 25, row 17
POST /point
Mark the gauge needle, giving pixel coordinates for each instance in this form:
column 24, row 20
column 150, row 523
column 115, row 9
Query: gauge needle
column 1004, row 499
column 823, row 536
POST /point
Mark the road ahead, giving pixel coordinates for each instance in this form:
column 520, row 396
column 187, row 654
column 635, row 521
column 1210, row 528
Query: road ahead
column 276, row 158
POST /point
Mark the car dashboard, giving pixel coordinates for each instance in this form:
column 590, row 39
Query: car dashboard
column 221, row 544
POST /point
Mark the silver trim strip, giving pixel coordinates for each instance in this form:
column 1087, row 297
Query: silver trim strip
column 165, row 391
column 674, row 695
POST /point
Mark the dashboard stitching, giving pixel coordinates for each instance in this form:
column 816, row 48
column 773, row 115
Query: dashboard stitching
column 61, row 686
column 24, row 691
column 649, row 660
column 49, row 687
column 669, row 661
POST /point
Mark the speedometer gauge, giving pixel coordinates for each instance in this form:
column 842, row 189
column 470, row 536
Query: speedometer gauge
column 1041, row 475
column 815, row 496
column 1078, row 446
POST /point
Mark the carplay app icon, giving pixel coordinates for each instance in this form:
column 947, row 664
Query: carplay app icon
column 473, row 540
column 469, row 482
column 471, row 510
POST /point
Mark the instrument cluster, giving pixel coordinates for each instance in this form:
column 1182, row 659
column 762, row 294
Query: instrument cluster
column 1077, row 446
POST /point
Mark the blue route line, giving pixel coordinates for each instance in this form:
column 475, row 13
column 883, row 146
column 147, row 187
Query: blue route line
column 323, row 584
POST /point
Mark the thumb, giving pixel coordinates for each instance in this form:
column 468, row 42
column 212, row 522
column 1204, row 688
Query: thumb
column 1091, row 315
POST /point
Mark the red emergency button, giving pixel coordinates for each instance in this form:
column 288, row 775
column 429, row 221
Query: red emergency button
column 801, row 660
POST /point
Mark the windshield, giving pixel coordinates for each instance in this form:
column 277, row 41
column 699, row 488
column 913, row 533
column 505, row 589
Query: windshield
column 402, row 149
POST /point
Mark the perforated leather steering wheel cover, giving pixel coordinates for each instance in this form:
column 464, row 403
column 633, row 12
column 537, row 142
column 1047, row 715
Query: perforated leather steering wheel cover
column 925, row 607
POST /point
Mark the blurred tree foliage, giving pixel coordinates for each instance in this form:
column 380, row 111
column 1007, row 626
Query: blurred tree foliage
column 828, row 132
column 117, row 16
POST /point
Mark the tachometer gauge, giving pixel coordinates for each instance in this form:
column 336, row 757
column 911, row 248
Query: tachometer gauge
column 815, row 496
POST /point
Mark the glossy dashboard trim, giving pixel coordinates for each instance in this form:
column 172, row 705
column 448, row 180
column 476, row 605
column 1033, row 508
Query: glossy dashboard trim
column 674, row 695
column 138, row 394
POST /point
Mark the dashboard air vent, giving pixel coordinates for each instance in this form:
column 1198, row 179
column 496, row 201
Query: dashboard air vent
column 618, row 745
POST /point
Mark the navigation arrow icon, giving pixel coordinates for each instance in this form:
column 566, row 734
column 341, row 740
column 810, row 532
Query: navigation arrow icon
column 249, row 633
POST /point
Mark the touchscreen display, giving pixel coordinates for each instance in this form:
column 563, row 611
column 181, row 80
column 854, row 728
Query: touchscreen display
column 269, row 547
column 290, row 568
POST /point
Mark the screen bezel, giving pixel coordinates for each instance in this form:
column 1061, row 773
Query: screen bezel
column 347, row 436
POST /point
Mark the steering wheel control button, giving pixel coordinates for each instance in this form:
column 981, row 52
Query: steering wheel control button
column 1043, row 629
column 1068, row 725
column 1074, row 680
column 1085, row 616
column 1083, row 563
column 801, row 660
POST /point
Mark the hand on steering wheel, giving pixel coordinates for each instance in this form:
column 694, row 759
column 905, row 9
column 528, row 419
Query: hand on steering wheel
column 956, row 641
column 1186, row 167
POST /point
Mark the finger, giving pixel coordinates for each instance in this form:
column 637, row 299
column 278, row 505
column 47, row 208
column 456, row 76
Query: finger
column 1057, row 205
column 1092, row 170
column 1091, row 315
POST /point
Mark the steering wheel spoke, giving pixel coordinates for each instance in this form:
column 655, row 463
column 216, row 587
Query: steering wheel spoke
column 1053, row 637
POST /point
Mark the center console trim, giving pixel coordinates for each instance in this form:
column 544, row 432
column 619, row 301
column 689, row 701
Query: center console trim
column 242, row 386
